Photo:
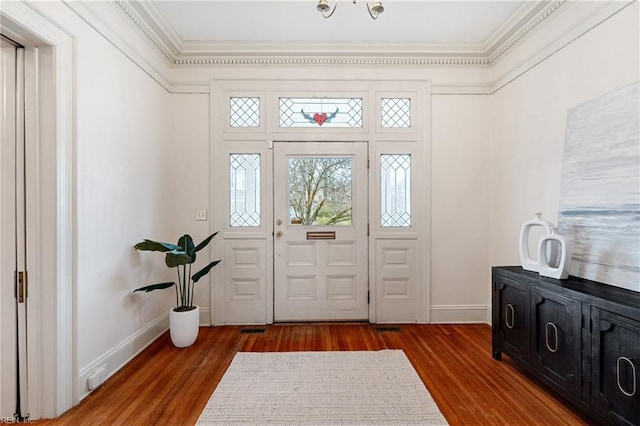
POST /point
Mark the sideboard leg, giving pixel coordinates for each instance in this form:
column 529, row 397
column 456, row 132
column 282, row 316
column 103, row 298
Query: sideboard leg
column 497, row 355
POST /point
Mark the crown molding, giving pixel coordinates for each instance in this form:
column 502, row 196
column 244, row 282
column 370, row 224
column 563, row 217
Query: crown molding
column 117, row 27
column 315, row 60
column 342, row 48
column 152, row 25
column 145, row 23
column 560, row 33
column 525, row 27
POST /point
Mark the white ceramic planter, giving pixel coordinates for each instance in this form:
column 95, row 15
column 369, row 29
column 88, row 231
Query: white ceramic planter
column 183, row 327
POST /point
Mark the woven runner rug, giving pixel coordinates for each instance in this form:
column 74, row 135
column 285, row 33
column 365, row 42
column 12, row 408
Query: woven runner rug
column 321, row 388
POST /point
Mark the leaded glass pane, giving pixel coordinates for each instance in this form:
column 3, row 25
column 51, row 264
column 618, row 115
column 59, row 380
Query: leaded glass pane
column 244, row 112
column 320, row 190
column 396, row 112
column 320, row 112
column 395, row 186
column 244, row 189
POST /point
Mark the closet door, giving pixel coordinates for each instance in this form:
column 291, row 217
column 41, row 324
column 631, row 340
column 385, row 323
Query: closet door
column 13, row 275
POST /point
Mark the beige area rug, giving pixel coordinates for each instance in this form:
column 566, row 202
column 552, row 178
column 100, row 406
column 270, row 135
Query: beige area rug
column 321, row 388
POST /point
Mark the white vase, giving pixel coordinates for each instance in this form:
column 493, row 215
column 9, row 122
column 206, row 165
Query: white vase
column 561, row 270
column 183, row 326
column 527, row 262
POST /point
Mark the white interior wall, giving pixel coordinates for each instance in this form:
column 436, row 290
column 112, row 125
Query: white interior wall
column 125, row 171
column 528, row 125
column 459, row 141
column 459, row 207
column 123, row 165
column 189, row 186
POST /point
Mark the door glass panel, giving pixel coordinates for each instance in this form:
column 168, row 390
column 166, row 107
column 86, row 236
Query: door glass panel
column 244, row 189
column 320, row 191
column 395, row 190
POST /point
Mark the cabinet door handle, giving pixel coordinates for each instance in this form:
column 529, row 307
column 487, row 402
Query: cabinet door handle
column 633, row 376
column 546, row 338
column 508, row 308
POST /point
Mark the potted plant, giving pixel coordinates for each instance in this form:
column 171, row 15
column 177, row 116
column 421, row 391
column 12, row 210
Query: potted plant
column 184, row 317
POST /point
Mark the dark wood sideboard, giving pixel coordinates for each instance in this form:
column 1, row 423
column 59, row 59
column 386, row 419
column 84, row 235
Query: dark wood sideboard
column 579, row 337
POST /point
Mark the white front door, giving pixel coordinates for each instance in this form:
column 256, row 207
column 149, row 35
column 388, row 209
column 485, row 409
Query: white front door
column 320, row 231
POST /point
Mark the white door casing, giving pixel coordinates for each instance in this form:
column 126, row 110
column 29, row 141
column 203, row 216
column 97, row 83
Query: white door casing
column 320, row 270
column 50, row 241
column 11, row 320
column 395, row 121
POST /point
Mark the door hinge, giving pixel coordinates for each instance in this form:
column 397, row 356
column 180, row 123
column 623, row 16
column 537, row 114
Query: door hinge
column 21, row 286
column 368, row 297
column 368, row 161
column 368, row 229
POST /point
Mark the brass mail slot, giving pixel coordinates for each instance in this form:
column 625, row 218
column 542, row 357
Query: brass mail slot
column 324, row 235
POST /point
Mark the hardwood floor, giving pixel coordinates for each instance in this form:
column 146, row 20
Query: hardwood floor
column 169, row 386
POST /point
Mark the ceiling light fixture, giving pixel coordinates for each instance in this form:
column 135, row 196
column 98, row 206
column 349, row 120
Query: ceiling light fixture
column 327, row 11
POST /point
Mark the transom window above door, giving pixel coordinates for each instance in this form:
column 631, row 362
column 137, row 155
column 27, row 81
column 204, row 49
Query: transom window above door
column 321, row 112
column 244, row 112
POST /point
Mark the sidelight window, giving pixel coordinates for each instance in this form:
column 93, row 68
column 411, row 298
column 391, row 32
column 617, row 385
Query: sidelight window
column 395, row 190
column 244, row 189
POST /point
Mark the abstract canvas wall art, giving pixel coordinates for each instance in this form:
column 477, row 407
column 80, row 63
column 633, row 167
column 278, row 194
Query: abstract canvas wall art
column 600, row 189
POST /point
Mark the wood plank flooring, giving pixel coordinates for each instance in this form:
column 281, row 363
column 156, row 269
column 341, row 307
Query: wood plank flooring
column 169, row 386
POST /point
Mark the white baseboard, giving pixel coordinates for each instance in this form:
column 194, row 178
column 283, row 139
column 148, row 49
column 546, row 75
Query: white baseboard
column 120, row 355
column 117, row 357
column 205, row 317
column 460, row 314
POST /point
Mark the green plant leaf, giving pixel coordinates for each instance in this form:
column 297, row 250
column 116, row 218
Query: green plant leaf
column 186, row 242
column 159, row 286
column 205, row 242
column 177, row 258
column 149, row 245
column 204, row 271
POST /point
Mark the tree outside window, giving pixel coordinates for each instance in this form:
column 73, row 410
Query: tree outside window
column 320, row 190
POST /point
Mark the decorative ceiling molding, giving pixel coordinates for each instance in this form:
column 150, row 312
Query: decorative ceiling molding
column 525, row 30
column 327, row 61
column 152, row 24
column 143, row 25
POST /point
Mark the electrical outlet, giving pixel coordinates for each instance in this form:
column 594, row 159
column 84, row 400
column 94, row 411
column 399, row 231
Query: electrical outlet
column 201, row 214
column 97, row 378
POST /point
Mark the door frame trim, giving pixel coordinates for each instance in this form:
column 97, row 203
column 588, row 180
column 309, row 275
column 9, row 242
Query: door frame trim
column 58, row 381
column 387, row 304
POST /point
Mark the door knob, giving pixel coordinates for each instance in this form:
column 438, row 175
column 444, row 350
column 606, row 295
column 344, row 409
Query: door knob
column 279, row 234
column 279, row 222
